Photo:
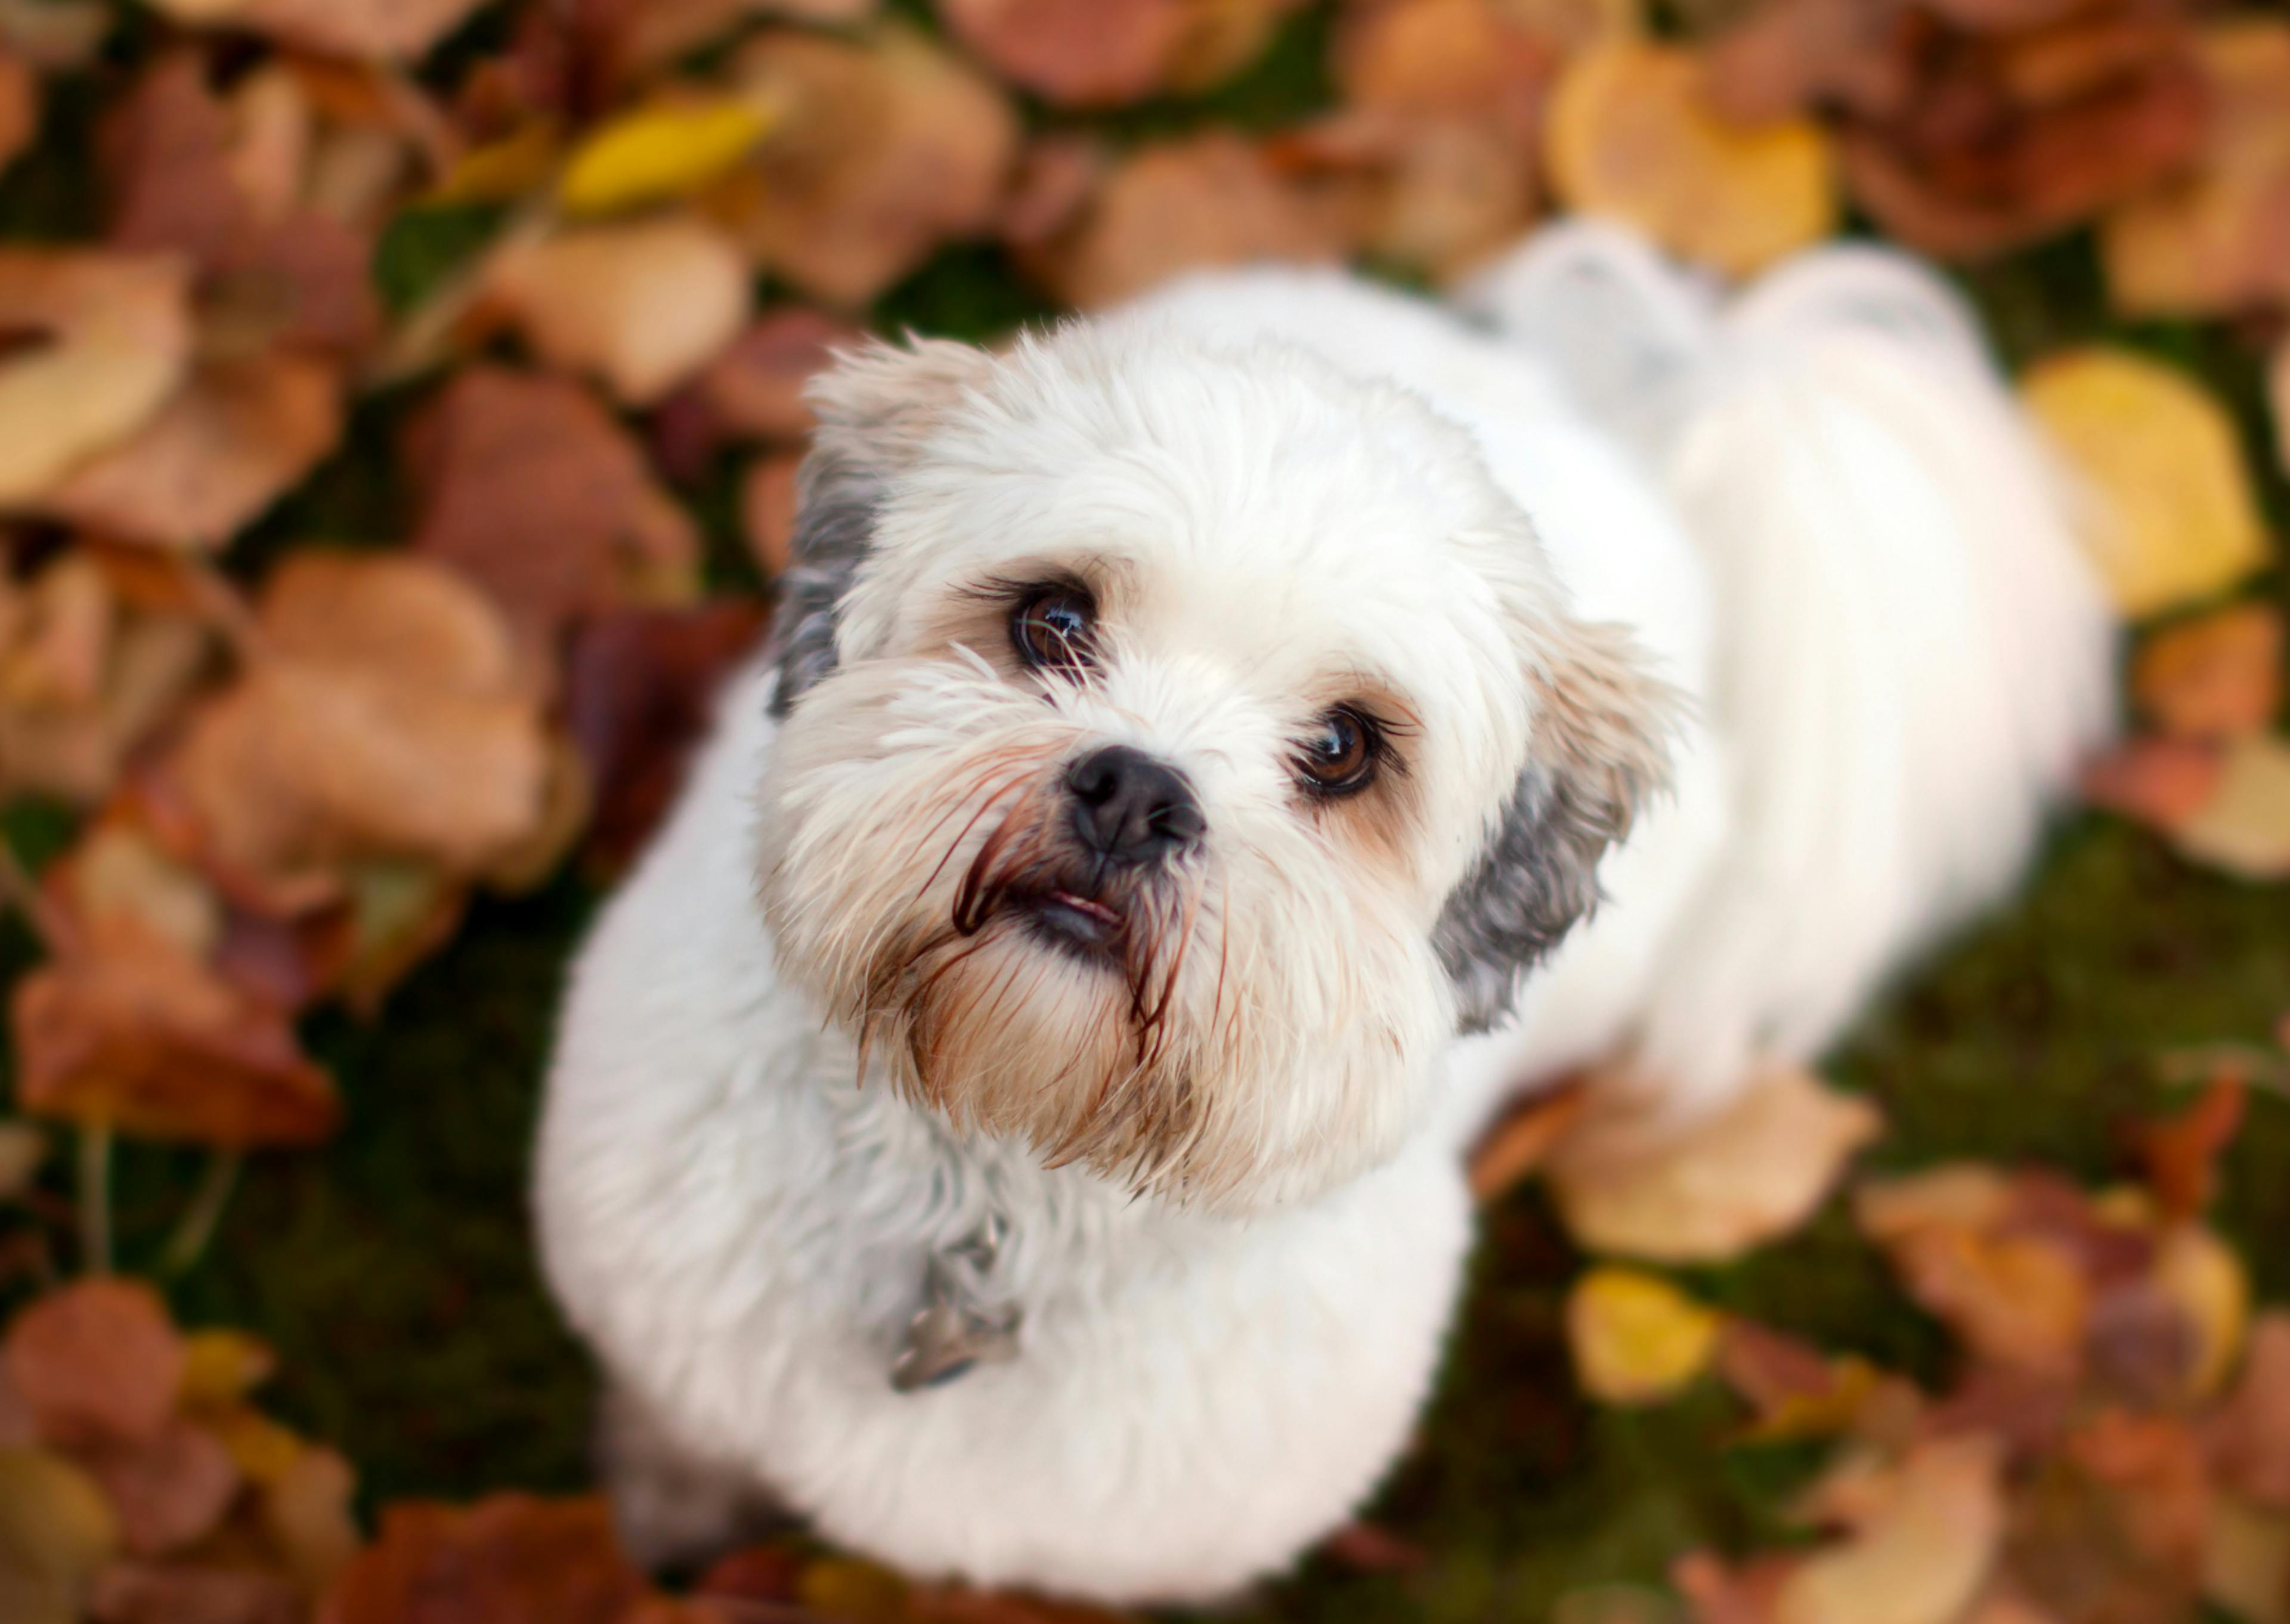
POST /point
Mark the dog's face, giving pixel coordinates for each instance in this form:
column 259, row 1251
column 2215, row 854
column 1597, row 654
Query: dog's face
column 1180, row 747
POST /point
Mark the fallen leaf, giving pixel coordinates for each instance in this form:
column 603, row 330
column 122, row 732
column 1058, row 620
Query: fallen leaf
column 305, row 1511
column 152, row 1593
column 222, row 1367
column 2249, row 1434
column 20, row 106
column 388, row 29
column 509, row 1559
column 1438, row 196
column 23, row 1149
column 98, row 343
column 390, row 615
column 2247, row 1562
column 2162, row 783
column 56, row 35
column 2018, row 1299
column 1796, row 1390
column 2216, row 678
column 640, row 693
column 643, row 304
column 75, row 752
column 2153, row 1467
column 1719, row 1593
column 2205, row 1279
column 532, row 491
column 756, row 386
column 1921, row 1557
column 2212, row 241
column 2171, row 518
column 652, row 154
column 62, row 637
column 55, row 1532
column 1477, row 60
column 638, row 35
column 400, row 913
column 1636, row 1338
column 2181, row 1153
column 2244, row 829
column 1074, row 53
column 151, row 1041
column 1203, row 201
column 117, row 872
column 99, row 1359
column 769, row 495
column 1746, row 1175
column 1631, row 135
column 1522, row 1141
column 1952, row 1195
column 168, row 1489
column 888, row 147
column 239, row 435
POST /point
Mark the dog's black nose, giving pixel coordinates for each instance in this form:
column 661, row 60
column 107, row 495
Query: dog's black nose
column 1129, row 808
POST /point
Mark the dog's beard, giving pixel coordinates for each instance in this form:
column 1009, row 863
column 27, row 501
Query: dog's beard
column 1221, row 1029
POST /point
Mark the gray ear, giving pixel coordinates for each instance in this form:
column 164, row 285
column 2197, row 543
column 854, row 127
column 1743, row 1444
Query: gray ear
column 875, row 407
column 1601, row 730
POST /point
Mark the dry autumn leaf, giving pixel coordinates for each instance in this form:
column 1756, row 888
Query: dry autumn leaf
column 2218, row 238
column 1075, row 52
column 1636, row 1338
column 2247, row 1562
column 512, row 1559
column 530, row 490
column 96, row 1360
column 2172, row 517
column 769, row 493
column 2244, row 829
column 143, row 1038
column 1631, row 135
column 756, row 386
column 1206, row 200
column 185, row 1593
column 239, row 435
column 391, row 29
column 1712, row 1190
column 168, row 1489
column 306, row 1512
column 2216, row 678
column 888, row 146
column 56, row 1531
column 667, row 150
column 99, row 342
column 1919, row 1550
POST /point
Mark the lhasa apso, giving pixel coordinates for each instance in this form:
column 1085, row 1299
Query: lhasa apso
column 1209, row 758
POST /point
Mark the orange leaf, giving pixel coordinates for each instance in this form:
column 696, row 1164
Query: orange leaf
column 99, row 1359
column 2216, row 678
column 511, row 1559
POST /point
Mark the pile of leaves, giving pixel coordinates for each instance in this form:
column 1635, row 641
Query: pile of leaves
column 559, row 269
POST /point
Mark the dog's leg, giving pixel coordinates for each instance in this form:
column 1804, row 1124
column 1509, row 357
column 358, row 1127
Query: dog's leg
column 675, row 1507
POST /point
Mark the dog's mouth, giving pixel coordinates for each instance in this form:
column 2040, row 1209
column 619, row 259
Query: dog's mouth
column 1070, row 921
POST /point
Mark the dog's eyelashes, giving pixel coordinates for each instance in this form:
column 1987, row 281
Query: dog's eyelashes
column 1340, row 754
column 1051, row 629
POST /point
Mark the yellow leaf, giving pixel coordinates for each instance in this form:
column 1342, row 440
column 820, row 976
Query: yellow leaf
column 56, row 1530
column 655, row 153
column 2172, row 518
column 221, row 1367
column 1755, row 1171
column 2201, row 1274
column 1924, row 1541
column 1636, row 1338
column 500, row 170
column 1630, row 135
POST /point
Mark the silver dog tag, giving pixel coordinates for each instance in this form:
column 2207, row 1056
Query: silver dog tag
column 957, row 1328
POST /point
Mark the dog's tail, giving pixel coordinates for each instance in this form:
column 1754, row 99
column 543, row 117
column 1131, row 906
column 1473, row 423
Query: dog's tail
column 1913, row 654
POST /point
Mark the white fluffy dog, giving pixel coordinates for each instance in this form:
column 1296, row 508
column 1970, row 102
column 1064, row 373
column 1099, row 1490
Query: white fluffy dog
column 1210, row 758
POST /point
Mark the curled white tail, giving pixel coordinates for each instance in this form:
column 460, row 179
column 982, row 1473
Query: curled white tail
column 1912, row 652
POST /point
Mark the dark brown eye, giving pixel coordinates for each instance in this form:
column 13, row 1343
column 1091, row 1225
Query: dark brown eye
column 1051, row 629
column 1340, row 755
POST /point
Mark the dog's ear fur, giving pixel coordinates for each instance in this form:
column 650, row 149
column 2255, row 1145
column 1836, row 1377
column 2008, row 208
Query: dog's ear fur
column 875, row 406
column 1602, row 728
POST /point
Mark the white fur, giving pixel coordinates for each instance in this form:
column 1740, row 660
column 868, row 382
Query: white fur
column 1823, row 525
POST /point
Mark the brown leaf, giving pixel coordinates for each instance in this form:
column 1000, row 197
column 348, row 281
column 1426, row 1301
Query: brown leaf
column 641, row 304
column 888, row 147
column 2181, row 1153
column 2154, row 1467
column 768, row 499
column 2018, row 1299
column 394, row 29
column 2249, row 1437
column 96, row 344
column 393, row 616
column 1203, row 201
column 755, row 386
column 76, row 751
column 1919, row 1555
column 170, row 1489
column 2217, row 238
column 1435, row 195
column 2160, row 782
column 152, row 1593
column 1058, row 173
column 532, row 491
column 170, row 150
column 1752, row 1172
column 1448, row 59
column 1522, row 1141
column 2216, row 678
column 1631, row 135
column 238, row 437
column 20, row 106
column 1074, row 53
column 640, row 693
column 1792, row 56
column 118, row 876
column 150, row 1041
column 511, row 1559
column 637, row 36
column 96, row 1360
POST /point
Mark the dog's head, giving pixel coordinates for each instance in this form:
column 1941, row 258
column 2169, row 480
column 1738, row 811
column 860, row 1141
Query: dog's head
column 1180, row 745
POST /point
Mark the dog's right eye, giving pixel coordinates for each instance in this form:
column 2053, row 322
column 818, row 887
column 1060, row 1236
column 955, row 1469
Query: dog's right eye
column 1051, row 629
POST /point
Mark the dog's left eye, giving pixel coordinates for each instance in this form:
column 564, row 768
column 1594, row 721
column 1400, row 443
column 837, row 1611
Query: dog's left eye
column 1051, row 629
column 1340, row 753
